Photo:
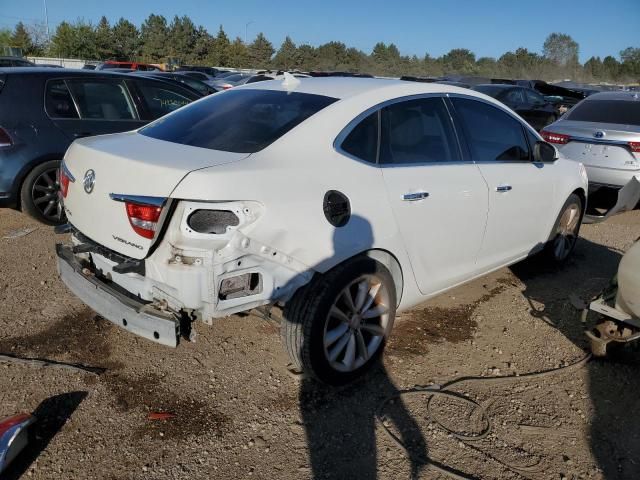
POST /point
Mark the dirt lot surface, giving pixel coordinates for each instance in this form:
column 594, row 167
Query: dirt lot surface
column 238, row 413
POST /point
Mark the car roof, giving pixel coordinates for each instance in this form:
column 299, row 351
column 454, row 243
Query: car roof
column 619, row 95
column 345, row 87
column 502, row 86
column 48, row 71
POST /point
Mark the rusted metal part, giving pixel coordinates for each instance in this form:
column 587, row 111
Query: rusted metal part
column 614, row 326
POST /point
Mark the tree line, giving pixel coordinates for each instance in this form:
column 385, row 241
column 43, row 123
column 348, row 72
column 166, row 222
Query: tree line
column 158, row 41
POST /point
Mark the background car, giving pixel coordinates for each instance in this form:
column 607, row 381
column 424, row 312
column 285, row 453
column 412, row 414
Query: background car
column 109, row 64
column 203, row 77
column 200, row 87
column 526, row 102
column 43, row 110
column 602, row 132
column 211, row 71
column 230, row 81
column 568, row 96
column 389, row 192
column 15, row 62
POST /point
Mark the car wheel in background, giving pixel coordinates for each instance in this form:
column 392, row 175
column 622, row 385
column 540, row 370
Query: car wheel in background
column 335, row 328
column 39, row 194
column 565, row 231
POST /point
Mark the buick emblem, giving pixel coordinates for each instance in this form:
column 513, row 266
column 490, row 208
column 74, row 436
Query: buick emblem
column 599, row 134
column 89, row 181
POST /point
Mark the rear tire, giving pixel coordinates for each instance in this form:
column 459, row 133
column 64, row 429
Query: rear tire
column 39, row 194
column 335, row 339
column 565, row 231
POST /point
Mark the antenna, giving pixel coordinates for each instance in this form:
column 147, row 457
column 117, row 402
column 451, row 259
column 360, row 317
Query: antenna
column 290, row 82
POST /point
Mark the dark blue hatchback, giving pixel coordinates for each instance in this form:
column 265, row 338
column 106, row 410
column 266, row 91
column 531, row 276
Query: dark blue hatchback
column 42, row 110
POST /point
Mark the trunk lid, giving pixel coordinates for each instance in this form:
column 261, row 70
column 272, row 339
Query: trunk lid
column 604, row 145
column 127, row 164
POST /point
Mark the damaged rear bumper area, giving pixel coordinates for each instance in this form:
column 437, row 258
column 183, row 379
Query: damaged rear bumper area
column 122, row 310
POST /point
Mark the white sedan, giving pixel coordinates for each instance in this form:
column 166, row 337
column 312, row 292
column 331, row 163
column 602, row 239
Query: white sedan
column 344, row 200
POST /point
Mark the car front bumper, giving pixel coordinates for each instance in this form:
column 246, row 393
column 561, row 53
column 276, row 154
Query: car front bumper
column 135, row 316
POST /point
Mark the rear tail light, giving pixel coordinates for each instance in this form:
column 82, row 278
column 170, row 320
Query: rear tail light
column 226, row 86
column 557, row 138
column 143, row 218
column 5, row 139
column 635, row 147
column 65, row 179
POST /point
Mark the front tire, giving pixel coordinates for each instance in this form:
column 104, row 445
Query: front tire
column 565, row 231
column 39, row 194
column 335, row 328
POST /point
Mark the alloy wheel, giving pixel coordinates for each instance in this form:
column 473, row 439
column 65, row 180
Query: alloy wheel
column 357, row 323
column 44, row 194
column 567, row 231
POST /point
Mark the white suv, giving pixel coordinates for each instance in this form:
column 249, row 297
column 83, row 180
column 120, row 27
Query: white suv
column 342, row 199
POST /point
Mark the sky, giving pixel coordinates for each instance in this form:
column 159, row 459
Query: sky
column 486, row 27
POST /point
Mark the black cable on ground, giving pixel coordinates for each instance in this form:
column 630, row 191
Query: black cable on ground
column 443, row 391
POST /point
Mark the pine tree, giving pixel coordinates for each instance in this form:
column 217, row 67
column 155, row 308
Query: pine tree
column 154, row 35
column 104, row 39
column 287, row 57
column 260, row 52
column 22, row 39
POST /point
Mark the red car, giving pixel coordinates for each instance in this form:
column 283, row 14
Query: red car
column 132, row 65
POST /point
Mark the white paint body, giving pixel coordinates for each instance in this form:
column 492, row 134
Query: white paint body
column 463, row 230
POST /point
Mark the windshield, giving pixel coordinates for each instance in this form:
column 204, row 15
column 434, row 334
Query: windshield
column 622, row 112
column 240, row 121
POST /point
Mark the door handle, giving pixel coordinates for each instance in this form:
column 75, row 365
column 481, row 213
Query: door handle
column 503, row 188
column 412, row 197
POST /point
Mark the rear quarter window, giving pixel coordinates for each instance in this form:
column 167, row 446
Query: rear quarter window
column 241, row 121
column 622, row 112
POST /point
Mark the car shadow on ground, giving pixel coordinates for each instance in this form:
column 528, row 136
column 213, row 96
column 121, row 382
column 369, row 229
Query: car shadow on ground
column 51, row 416
column 613, row 383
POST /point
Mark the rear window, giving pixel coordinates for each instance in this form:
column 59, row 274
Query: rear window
column 623, row 112
column 241, row 121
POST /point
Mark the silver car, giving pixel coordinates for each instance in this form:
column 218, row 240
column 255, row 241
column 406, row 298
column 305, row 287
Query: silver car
column 602, row 132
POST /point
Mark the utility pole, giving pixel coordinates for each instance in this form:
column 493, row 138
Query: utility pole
column 46, row 21
column 246, row 27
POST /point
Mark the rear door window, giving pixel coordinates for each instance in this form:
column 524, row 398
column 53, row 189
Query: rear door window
column 492, row 134
column 58, row 102
column 622, row 112
column 417, row 131
column 160, row 99
column 362, row 141
column 241, row 121
column 102, row 99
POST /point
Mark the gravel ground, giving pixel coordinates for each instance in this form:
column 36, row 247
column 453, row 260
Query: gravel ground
column 238, row 413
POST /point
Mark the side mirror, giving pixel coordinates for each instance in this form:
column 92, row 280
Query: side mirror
column 544, row 152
